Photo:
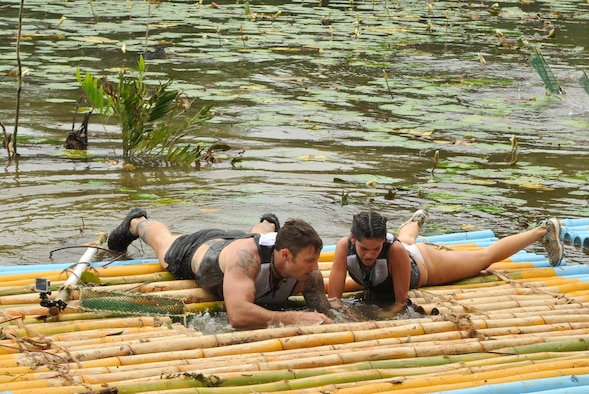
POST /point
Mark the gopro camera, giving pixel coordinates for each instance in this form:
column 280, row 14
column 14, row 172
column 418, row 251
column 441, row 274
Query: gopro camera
column 42, row 285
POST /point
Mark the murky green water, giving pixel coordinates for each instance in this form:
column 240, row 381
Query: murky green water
column 300, row 94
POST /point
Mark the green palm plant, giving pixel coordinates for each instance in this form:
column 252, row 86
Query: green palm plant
column 153, row 122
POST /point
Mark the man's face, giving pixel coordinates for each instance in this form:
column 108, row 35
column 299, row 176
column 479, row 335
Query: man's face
column 303, row 264
column 368, row 250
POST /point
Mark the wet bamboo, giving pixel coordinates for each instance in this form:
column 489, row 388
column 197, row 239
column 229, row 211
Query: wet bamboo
column 201, row 307
column 314, row 385
column 119, row 334
column 159, row 282
column 20, row 299
column 85, row 346
column 460, row 369
column 358, row 379
column 520, row 312
column 152, row 281
column 190, row 295
column 424, row 349
column 527, row 364
column 450, row 382
column 75, row 389
column 58, row 327
column 313, row 372
column 108, row 337
column 154, row 286
column 196, row 386
column 11, row 387
column 102, row 272
column 169, row 345
column 23, row 289
column 272, row 355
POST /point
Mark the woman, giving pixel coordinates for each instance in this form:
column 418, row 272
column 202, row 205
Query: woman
column 388, row 266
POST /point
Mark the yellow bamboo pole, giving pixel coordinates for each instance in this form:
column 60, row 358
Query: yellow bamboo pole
column 102, row 272
column 57, row 327
column 53, row 390
column 518, row 341
column 535, row 371
column 40, row 384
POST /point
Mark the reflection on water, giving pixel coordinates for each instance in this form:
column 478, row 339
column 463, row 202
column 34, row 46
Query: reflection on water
column 322, row 134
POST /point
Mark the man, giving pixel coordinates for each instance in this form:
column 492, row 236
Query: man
column 264, row 266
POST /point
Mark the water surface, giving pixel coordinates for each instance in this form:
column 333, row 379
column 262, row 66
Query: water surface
column 300, row 94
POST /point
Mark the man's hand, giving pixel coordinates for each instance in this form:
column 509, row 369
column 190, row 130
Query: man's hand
column 310, row 318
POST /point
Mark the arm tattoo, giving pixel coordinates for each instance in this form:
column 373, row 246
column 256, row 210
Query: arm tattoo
column 246, row 263
column 314, row 293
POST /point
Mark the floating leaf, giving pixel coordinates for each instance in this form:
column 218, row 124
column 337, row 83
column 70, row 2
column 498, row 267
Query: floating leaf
column 145, row 196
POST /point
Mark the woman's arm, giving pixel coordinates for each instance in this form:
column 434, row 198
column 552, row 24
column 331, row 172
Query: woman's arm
column 339, row 270
column 399, row 265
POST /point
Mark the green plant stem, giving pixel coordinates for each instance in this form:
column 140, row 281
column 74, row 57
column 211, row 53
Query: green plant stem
column 6, row 140
column 19, row 89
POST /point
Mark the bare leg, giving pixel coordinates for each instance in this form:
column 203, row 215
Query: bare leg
column 268, row 223
column 155, row 234
column 409, row 233
column 159, row 237
column 262, row 228
column 446, row 266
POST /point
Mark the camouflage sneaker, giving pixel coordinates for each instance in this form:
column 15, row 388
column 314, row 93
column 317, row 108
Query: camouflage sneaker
column 270, row 217
column 120, row 238
column 420, row 216
column 551, row 241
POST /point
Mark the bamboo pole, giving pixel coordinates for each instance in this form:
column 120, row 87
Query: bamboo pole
column 102, row 272
column 494, row 342
column 498, row 322
column 57, row 327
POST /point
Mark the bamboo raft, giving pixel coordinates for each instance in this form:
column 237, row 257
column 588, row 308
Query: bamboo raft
column 520, row 326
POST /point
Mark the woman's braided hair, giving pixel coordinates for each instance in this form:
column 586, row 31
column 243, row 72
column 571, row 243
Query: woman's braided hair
column 369, row 225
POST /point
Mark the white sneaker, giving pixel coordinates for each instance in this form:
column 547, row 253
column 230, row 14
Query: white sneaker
column 420, row 216
column 551, row 241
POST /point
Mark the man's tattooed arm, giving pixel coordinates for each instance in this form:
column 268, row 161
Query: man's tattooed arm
column 314, row 293
column 246, row 263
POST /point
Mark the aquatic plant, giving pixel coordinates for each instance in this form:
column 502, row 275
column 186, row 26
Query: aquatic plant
column 151, row 121
column 539, row 64
column 11, row 143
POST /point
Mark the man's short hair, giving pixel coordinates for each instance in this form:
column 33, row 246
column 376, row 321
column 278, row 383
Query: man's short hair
column 296, row 235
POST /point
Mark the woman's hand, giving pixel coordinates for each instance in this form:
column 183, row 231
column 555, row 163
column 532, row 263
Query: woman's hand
column 397, row 308
column 336, row 303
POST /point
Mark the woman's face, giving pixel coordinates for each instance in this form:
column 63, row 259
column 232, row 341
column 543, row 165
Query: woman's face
column 368, row 249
